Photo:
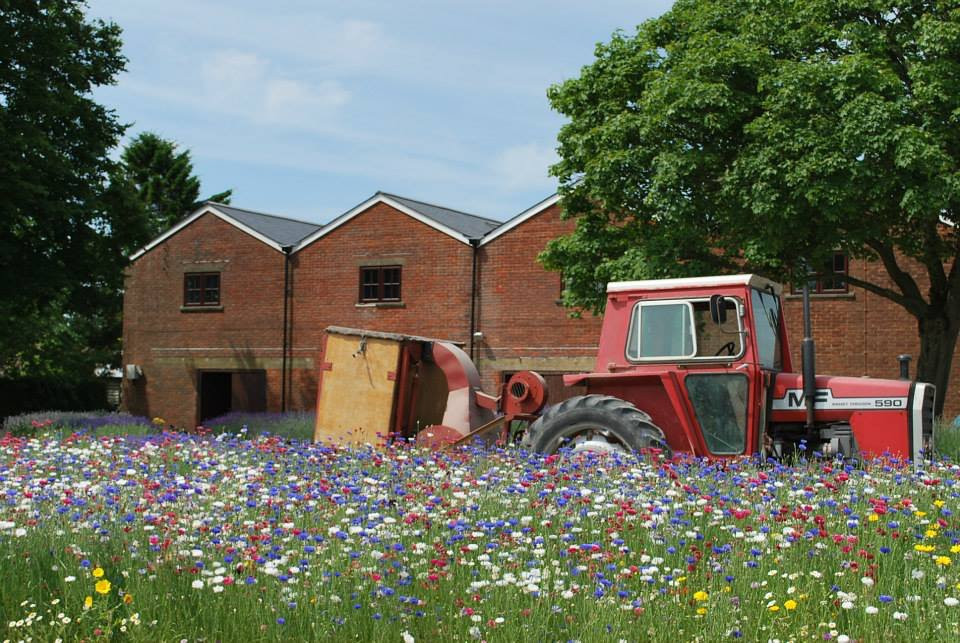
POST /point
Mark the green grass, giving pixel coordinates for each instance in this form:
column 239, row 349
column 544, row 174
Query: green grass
column 946, row 440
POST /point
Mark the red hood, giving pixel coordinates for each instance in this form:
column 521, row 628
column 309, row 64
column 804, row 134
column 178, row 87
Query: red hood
column 836, row 393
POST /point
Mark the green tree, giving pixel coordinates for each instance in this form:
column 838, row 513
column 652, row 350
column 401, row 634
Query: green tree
column 54, row 161
column 732, row 135
column 163, row 181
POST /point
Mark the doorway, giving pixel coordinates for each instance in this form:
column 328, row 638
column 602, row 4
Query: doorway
column 223, row 392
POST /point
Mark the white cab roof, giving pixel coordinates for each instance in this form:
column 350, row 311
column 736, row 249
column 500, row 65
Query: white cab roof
column 718, row 281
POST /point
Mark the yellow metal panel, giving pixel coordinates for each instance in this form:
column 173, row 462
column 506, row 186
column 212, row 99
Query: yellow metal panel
column 356, row 394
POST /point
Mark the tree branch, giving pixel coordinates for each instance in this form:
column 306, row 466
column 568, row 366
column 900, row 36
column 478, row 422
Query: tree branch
column 910, row 304
column 903, row 279
column 909, row 296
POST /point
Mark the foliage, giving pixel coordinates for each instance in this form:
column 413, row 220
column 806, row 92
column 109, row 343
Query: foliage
column 53, row 163
column 31, row 394
column 742, row 136
column 293, row 425
column 182, row 537
column 162, row 181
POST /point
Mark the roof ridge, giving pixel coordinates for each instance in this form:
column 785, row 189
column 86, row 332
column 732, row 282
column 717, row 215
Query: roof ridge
column 262, row 214
column 442, row 207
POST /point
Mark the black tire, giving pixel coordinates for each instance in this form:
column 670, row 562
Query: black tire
column 597, row 420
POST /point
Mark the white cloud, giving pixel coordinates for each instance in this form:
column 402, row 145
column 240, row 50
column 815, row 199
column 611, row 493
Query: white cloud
column 249, row 86
column 290, row 99
column 525, row 166
column 227, row 75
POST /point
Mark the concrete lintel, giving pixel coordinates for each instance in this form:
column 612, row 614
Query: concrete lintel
column 234, row 363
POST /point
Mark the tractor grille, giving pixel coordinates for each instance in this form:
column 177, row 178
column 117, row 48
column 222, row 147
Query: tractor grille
column 926, row 417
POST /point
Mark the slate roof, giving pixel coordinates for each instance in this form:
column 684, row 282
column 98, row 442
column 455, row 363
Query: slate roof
column 469, row 225
column 278, row 231
column 283, row 230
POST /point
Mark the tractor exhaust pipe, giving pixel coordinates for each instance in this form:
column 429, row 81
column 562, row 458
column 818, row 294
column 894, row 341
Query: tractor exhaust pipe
column 808, row 360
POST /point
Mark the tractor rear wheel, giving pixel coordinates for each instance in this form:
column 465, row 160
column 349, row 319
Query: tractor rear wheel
column 594, row 423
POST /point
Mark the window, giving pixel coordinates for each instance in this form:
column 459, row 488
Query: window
column 661, row 330
column 380, row 283
column 201, row 289
column 830, row 278
column 720, row 402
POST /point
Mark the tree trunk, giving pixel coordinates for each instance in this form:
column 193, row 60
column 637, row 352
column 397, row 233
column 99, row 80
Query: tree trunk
column 938, row 339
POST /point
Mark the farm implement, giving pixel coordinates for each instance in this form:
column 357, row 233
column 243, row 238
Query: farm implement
column 698, row 365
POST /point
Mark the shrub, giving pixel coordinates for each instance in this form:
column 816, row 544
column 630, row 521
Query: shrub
column 93, row 422
column 293, row 425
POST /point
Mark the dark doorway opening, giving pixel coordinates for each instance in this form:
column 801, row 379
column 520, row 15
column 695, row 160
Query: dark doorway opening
column 214, row 395
column 224, row 392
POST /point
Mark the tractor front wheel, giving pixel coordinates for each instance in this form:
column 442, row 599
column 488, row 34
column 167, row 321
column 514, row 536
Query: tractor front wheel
column 594, row 423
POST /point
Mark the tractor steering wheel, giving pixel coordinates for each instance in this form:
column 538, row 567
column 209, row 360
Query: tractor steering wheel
column 729, row 348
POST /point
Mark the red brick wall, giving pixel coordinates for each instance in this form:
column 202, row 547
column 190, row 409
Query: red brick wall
column 435, row 282
column 518, row 313
column 171, row 345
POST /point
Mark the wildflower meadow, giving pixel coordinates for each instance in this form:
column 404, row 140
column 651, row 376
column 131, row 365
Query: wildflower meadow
column 170, row 536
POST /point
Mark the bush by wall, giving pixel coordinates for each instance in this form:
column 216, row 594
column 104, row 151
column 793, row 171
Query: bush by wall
column 23, row 395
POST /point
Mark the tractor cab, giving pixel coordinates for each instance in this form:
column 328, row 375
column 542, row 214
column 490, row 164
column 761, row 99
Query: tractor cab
column 698, row 355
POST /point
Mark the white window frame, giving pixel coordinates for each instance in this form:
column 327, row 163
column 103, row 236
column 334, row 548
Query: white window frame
column 636, row 317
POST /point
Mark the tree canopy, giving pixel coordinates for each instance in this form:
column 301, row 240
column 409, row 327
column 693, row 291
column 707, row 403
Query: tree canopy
column 162, row 180
column 70, row 214
column 53, row 166
column 736, row 135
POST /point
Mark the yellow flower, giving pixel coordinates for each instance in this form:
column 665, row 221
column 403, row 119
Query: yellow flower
column 924, row 548
column 700, row 596
column 774, row 608
column 127, row 598
column 159, row 421
column 943, row 560
column 955, row 549
column 701, row 611
column 939, row 503
column 102, row 587
column 790, row 604
column 930, row 533
column 97, row 572
column 88, row 602
column 873, row 517
column 919, row 514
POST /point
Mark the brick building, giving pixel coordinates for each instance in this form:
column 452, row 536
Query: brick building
column 221, row 306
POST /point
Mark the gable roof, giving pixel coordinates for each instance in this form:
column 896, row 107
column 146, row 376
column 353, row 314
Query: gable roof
column 273, row 230
column 527, row 214
column 283, row 230
column 471, row 225
column 464, row 227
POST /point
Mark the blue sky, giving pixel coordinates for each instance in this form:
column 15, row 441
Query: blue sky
column 307, row 107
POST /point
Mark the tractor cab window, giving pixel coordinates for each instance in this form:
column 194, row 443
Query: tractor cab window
column 766, row 315
column 683, row 330
column 661, row 330
column 720, row 402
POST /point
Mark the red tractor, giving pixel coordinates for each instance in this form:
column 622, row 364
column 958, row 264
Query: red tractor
column 698, row 365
